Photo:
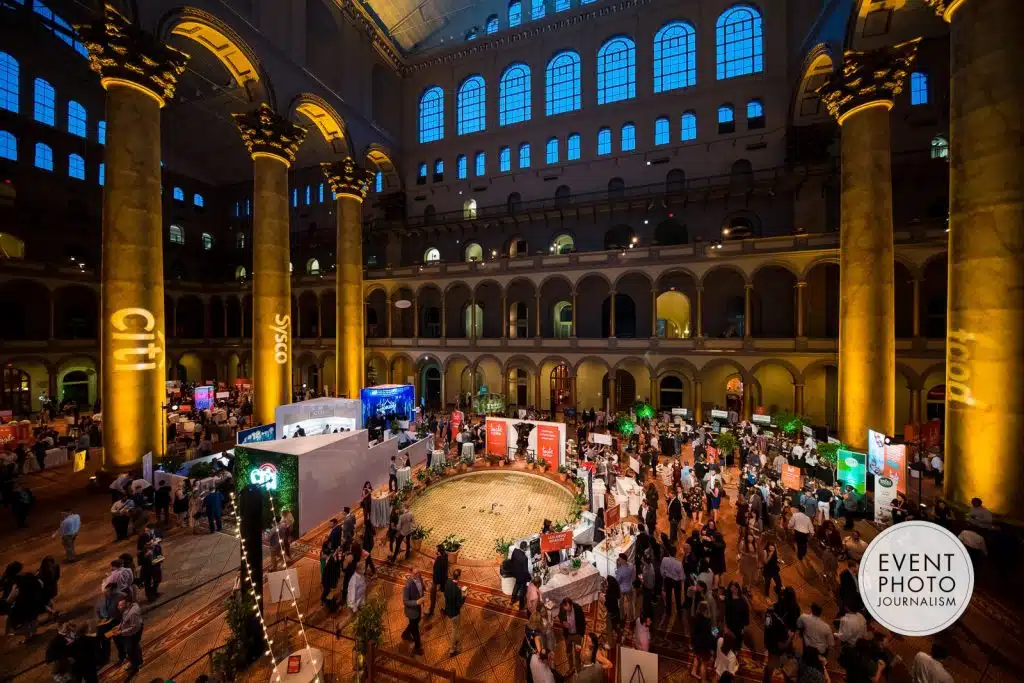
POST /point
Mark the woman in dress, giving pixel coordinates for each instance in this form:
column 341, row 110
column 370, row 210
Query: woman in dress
column 748, row 561
column 703, row 639
column 180, row 506
column 695, row 506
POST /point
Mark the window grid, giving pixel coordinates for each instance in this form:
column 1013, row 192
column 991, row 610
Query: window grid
column 675, row 57
column 176, row 235
column 537, row 9
column 739, row 48
column 9, row 82
column 460, row 167
column 76, row 167
column 514, row 95
column 76, row 119
column 504, row 160
column 44, row 157
column 573, row 147
column 207, row 241
column 438, row 170
column 562, row 5
column 197, row 200
column 563, row 83
column 628, row 138
column 378, row 184
column 524, row 155
column 492, row 24
column 515, row 13
column 481, row 164
column 102, row 178
column 688, row 127
column 725, row 114
column 754, row 109
column 8, row 146
column 616, row 71
column 101, row 132
column 551, row 151
column 179, row 194
column 918, row 88
column 662, row 135
column 309, row 195
column 472, row 106
column 45, row 102
column 604, row 141
column 432, row 115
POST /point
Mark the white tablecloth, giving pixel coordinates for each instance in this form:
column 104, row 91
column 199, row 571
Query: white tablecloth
column 380, row 510
column 604, row 557
column 467, row 452
column 312, row 664
column 583, row 532
column 404, row 475
column 599, row 492
column 584, row 588
column 438, row 457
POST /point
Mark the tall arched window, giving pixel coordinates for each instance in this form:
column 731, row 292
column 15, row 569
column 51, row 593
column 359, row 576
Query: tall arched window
column 480, row 163
column 604, row 141
column 504, row 160
column 421, row 174
column 44, row 157
column 537, row 9
column 207, row 241
column 438, row 170
column 460, row 167
column 240, row 273
column 179, row 194
column 177, row 235
column 524, row 155
column 76, row 167
column 309, row 195
column 197, row 200
column 514, row 95
column 675, row 57
column 378, row 184
column 563, row 83
column 918, row 88
column 573, row 147
column 9, row 82
column 551, row 151
column 8, row 146
column 688, row 126
column 76, row 119
column 431, row 255
column 471, row 106
column 102, row 177
column 661, row 131
column 755, row 114
column 739, row 43
column 939, row 148
column 312, row 267
column 469, row 209
column 628, row 138
column 492, row 24
column 562, row 5
column 616, row 70
column 515, row 13
column 295, row 196
column 432, row 115
column 101, row 132
column 726, row 119
column 240, row 240
column 44, row 102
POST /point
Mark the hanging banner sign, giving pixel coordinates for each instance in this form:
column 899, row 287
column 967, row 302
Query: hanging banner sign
column 497, row 438
column 547, row 444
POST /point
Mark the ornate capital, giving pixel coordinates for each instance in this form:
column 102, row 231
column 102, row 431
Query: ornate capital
column 347, row 178
column 945, row 8
column 267, row 133
column 868, row 79
column 123, row 54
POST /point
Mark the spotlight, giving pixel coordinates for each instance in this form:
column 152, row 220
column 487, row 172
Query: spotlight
column 726, row 231
column 636, row 239
column 648, row 163
column 645, row 221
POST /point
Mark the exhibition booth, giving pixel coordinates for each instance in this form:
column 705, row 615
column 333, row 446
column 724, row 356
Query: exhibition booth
column 544, row 440
column 317, row 416
column 387, row 402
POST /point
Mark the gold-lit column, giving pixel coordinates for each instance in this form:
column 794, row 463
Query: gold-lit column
column 698, row 401
column 654, row 312
column 700, row 311
column 536, row 313
column 611, row 391
column 573, row 332
column 350, row 183
column 611, row 314
column 472, row 318
column 801, row 289
column 138, row 74
column 390, row 313
column 444, row 317
column 536, row 390
column 860, row 96
column 798, row 399
column 915, row 406
column 319, row 317
column 985, row 319
column 272, row 141
column 747, row 327
column 748, row 400
column 917, row 308
column 654, row 393
column 415, row 317
column 504, row 317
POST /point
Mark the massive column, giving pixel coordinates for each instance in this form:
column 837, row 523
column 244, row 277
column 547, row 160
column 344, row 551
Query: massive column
column 985, row 319
column 860, row 96
column 272, row 141
column 139, row 74
column 350, row 183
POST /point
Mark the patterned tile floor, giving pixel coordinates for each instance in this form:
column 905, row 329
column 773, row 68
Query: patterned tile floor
column 484, row 506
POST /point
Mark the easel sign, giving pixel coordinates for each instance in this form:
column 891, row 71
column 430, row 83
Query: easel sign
column 637, row 666
column 612, row 516
column 277, row 586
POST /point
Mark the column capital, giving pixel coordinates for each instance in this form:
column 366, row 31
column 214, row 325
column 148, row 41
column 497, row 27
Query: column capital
column 868, row 79
column 801, row 284
column 268, row 134
column 123, row 54
column 348, row 178
column 945, row 8
column 748, row 286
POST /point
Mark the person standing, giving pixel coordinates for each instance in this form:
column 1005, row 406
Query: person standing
column 574, row 627
column 368, row 538
column 769, row 559
column 21, row 504
column 520, row 563
column 392, row 475
column 928, row 668
column 404, row 532
column 68, row 532
column 356, row 589
column 348, row 527
column 624, row 575
column 412, row 597
column 214, row 502
column 802, row 527
column 815, row 632
column 612, row 598
column 130, row 633
column 108, row 616
column 438, row 577
column 675, row 515
column 454, row 597
column 162, row 502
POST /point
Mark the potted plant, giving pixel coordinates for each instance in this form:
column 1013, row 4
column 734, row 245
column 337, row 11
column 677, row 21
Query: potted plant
column 574, row 565
column 452, row 544
column 368, row 628
column 407, row 489
column 501, row 547
column 418, row 534
column 563, row 472
column 544, row 465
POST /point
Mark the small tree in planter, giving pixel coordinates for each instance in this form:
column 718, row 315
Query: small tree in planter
column 407, row 490
column 368, row 629
column 501, row 547
column 418, row 534
column 424, row 477
column 543, row 465
column 452, row 544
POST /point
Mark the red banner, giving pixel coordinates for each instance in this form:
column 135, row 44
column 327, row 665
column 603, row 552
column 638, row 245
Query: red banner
column 457, row 417
column 497, row 438
column 791, row 477
column 8, row 435
column 560, row 540
column 588, row 466
column 932, row 431
column 612, row 516
column 547, row 444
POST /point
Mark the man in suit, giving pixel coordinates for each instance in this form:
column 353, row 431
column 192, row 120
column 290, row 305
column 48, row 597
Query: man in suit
column 348, row 527
column 521, row 572
column 438, row 578
column 675, row 515
column 412, row 596
column 574, row 627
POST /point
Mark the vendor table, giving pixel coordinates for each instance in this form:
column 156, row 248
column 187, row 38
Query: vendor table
column 312, row 664
column 468, row 453
column 438, row 457
column 605, row 554
column 599, row 493
column 583, row 588
column 404, row 476
column 380, row 509
column 53, row 458
column 583, row 532
column 628, row 487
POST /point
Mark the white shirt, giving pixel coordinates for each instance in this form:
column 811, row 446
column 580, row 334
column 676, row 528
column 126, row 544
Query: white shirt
column 936, row 463
column 972, row 539
column 798, row 451
column 928, row 670
column 725, row 662
column 671, row 568
column 801, row 522
column 851, row 628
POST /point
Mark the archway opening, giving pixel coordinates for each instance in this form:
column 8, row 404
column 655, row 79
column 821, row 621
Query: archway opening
column 563, row 320
column 670, row 392
column 561, row 388
column 16, row 391
column 625, row 390
column 673, row 316
column 75, row 388
column 430, row 383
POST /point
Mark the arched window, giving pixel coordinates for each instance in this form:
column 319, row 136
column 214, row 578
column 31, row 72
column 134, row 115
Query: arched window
column 438, row 170
column 309, row 195
column 44, row 157
column 207, row 241
column 421, row 174
column 562, row 313
column 101, row 132
column 197, row 199
column 918, row 88
column 492, row 24
column 537, row 9
column 179, row 194
column 240, row 240
column 469, row 209
column 176, row 235
column 726, row 119
column 939, row 148
column 675, row 181
column 504, row 160
column 524, row 155
column 431, row 255
column 474, row 252
column 8, row 146
column 471, row 33
column 688, row 126
column 562, row 5
column 44, row 103
column 628, row 138
column 573, row 147
column 480, row 164
column 460, row 167
column 515, row 13
column 604, row 141
column 514, row 95
column 76, row 119
column 739, row 48
column 675, row 57
column 563, row 244
column 755, row 114
column 76, row 167
column 295, row 196
column 551, row 151
column 563, row 196
column 240, row 273
column 563, row 83
column 9, row 82
column 102, row 177
column 378, row 184
column 616, row 71
column 471, row 106
column 312, row 267
column 616, row 188
column 431, row 121
column 661, row 131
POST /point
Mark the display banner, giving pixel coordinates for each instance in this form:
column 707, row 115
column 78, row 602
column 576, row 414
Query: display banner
column 8, row 435
column 791, row 477
column 634, row 464
column 457, row 417
column 932, row 433
column 895, row 466
column 885, row 493
column 80, row 461
column 147, row 467
column 762, row 419
column 720, row 414
column 203, row 399
column 604, row 439
column 680, row 411
column 560, row 540
column 497, row 438
column 876, row 452
column 852, row 470
column 612, row 516
column 257, row 434
column 547, row 445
